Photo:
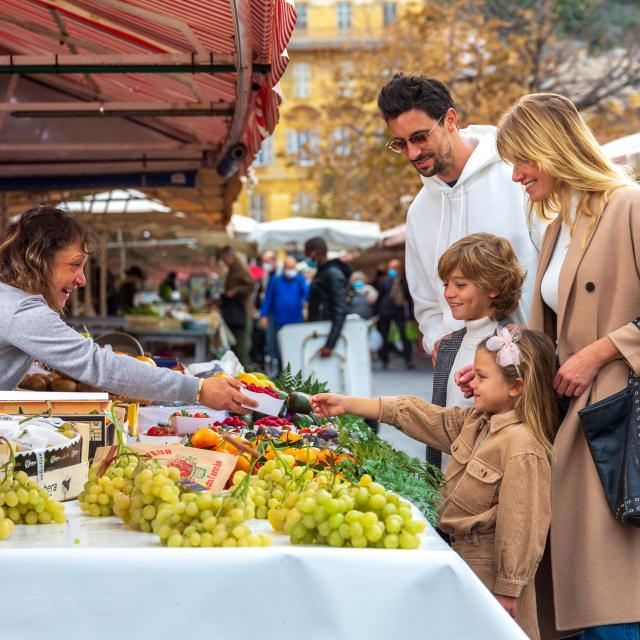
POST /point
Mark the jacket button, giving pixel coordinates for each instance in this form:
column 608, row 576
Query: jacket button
column 590, row 287
column 483, row 472
column 454, row 448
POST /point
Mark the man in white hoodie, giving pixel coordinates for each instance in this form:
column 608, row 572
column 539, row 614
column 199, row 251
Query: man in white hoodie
column 467, row 189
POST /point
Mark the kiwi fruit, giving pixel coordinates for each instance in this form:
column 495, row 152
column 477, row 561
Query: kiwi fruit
column 64, row 385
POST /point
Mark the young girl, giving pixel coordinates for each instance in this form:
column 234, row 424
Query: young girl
column 482, row 285
column 496, row 495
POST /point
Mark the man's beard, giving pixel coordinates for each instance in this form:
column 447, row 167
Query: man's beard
column 441, row 162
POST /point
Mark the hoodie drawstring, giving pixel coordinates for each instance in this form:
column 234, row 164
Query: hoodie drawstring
column 460, row 234
column 436, row 255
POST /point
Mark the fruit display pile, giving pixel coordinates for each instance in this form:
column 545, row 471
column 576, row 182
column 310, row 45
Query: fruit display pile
column 23, row 501
column 309, row 507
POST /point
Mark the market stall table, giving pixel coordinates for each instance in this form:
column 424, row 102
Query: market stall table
column 95, row 578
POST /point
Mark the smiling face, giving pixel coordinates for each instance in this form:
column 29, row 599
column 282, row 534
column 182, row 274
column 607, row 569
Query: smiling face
column 492, row 393
column 537, row 183
column 436, row 155
column 465, row 299
column 67, row 272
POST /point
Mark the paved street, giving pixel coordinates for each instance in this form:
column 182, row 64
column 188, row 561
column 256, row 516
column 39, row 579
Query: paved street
column 398, row 381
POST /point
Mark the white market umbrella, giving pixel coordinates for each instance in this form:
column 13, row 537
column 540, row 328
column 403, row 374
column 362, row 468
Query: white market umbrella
column 292, row 233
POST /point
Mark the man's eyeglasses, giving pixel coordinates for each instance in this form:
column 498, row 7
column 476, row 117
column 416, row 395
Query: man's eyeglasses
column 418, row 139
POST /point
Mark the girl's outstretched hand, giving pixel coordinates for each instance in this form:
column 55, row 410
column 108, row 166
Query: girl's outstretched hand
column 328, row 404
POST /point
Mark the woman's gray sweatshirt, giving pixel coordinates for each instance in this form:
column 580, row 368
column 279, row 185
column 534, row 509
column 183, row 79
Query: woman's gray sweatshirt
column 30, row 330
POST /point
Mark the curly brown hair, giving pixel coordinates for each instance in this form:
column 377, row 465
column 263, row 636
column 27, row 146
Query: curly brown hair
column 491, row 264
column 29, row 247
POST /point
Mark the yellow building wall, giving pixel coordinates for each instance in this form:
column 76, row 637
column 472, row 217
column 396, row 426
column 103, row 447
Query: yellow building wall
column 285, row 186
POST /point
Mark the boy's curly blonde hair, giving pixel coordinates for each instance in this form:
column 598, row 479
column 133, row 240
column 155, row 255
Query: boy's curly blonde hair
column 491, row 264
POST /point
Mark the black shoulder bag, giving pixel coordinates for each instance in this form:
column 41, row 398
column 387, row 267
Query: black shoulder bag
column 612, row 429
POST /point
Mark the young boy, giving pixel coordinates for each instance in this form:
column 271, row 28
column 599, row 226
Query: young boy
column 482, row 285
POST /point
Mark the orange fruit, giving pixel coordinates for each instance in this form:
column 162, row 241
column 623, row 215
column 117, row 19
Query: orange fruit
column 146, row 359
column 205, row 438
column 289, row 436
column 242, row 464
column 230, row 447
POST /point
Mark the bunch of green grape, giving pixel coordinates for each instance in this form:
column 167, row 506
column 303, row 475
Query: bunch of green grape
column 23, row 501
column 320, row 508
column 205, row 520
column 154, row 486
column 102, row 496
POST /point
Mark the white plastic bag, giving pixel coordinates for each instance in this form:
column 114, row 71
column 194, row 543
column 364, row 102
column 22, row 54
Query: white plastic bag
column 375, row 340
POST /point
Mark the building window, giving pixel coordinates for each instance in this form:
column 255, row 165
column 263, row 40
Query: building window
column 343, row 15
column 303, row 204
column 303, row 15
column 305, row 144
column 258, row 207
column 388, row 13
column 265, row 155
column 302, row 77
column 342, row 142
column 346, row 79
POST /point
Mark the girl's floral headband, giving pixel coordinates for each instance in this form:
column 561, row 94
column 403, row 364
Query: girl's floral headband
column 505, row 344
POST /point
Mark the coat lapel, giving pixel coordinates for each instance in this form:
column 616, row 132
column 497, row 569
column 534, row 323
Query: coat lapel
column 575, row 253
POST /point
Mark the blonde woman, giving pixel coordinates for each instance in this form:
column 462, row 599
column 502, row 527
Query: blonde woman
column 587, row 290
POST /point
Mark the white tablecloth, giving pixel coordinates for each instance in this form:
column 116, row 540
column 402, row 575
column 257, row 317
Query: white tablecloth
column 93, row 578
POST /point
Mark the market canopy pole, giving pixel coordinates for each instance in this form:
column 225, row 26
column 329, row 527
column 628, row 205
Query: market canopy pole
column 103, row 275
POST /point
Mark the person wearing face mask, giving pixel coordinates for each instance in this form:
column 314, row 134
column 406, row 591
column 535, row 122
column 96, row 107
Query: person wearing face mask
column 393, row 307
column 364, row 296
column 284, row 301
column 42, row 260
column 328, row 291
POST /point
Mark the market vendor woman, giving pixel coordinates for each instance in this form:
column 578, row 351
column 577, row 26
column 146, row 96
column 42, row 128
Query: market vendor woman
column 42, row 259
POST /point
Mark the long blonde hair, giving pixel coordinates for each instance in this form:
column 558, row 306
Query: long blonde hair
column 546, row 129
column 536, row 406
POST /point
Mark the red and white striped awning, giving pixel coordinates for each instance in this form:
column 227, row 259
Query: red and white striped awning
column 167, row 85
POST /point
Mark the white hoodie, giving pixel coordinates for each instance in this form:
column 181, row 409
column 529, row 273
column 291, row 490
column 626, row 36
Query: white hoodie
column 484, row 199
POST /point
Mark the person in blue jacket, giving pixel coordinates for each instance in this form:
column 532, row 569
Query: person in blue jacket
column 284, row 301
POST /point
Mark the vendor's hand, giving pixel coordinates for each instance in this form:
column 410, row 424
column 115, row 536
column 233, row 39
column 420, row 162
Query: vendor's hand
column 230, row 293
column 225, row 393
column 325, row 352
column 576, row 374
column 463, row 378
column 263, row 323
column 329, row 404
column 510, row 604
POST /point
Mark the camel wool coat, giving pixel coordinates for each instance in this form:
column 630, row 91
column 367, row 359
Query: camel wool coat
column 594, row 559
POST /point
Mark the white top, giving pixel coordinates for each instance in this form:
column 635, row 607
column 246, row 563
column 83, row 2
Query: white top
column 551, row 277
column 483, row 199
column 477, row 331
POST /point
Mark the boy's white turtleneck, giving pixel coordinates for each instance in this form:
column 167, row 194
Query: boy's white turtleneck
column 477, row 331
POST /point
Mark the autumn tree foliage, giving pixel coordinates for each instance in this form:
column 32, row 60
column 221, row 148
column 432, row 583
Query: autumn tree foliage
column 489, row 53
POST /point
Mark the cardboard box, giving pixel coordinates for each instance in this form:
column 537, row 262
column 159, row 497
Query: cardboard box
column 96, row 431
column 58, row 403
column 60, row 469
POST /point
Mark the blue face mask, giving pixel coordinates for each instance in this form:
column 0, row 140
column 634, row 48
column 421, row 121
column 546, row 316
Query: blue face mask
column 392, row 273
column 358, row 284
column 311, row 262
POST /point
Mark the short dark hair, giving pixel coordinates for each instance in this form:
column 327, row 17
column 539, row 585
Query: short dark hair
column 403, row 93
column 316, row 244
column 135, row 271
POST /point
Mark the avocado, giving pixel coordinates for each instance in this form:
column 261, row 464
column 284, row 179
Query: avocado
column 298, row 402
column 302, row 420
